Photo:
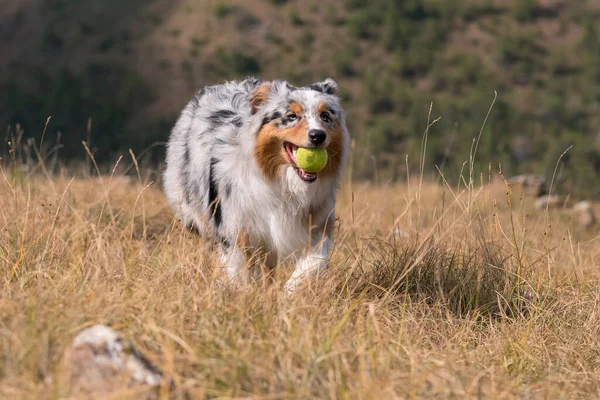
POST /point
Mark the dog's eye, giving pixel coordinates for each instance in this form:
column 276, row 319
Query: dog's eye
column 292, row 117
column 325, row 117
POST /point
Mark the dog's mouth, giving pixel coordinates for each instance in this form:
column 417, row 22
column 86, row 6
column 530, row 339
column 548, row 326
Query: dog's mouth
column 291, row 150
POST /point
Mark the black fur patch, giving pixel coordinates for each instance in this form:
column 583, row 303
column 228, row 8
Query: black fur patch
column 252, row 82
column 221, row 117
column 195, row 102
column 225, row 243
column 270, row 118
column 200, row 93
column 193, row 229
column 214, row 203
column 238, row 121
column 325, row 88
column 265, row 121
column 185, row 174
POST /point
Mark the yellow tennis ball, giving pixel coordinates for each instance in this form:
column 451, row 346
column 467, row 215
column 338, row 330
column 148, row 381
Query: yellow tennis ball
column 311, row 160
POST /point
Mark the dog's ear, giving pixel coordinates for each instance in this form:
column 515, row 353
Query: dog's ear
column 328, row 86
column 259, row 97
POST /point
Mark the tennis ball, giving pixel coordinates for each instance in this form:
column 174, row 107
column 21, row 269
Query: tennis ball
column 311, row 160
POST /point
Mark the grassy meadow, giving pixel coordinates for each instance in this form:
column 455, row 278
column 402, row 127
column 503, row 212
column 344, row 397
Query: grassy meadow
column 435, row 290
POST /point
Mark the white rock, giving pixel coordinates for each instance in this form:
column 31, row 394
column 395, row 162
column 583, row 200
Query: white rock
column 532, row 184
column 101, row 361
column 551, row 201
column 584, row 213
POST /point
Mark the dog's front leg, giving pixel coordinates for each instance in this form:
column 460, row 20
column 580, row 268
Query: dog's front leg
column 231, row 262
column 309, row 265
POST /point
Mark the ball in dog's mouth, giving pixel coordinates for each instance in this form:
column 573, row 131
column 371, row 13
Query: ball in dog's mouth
column 291, row 150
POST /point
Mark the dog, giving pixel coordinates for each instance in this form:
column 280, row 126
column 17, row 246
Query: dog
column 231, row 172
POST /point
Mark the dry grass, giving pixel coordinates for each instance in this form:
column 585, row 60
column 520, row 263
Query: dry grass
column 475, row 302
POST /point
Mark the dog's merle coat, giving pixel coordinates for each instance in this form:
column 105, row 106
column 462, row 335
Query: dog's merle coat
column 231, row 171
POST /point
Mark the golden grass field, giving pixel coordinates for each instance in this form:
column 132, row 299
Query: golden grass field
column 434, row 291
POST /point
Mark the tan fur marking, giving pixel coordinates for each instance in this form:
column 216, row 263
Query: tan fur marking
column 259, row 97
column 296, row 108
column 322, row 107
column 269, row 151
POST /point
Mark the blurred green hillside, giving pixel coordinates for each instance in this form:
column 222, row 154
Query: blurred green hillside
column 132, row 65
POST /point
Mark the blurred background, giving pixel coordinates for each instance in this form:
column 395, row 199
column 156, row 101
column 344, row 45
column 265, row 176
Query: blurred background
column 126, row 68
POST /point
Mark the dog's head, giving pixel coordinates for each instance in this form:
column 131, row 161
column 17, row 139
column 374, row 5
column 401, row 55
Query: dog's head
column 293, row 117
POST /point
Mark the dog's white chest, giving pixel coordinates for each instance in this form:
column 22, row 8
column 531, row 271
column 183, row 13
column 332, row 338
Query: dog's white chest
column 288, row 232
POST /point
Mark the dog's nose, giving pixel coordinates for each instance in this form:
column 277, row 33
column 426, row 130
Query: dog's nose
column 317, row 136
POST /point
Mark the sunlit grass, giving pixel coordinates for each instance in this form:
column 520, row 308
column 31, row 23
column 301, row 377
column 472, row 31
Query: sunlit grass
column 457, row 301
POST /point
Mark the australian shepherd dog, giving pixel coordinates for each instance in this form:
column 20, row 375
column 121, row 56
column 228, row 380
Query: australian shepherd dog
column 232, row 174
